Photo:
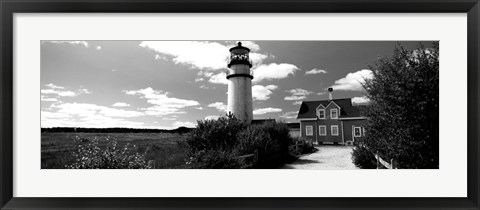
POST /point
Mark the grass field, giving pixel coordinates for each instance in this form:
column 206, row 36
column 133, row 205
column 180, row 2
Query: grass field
column 167, row 149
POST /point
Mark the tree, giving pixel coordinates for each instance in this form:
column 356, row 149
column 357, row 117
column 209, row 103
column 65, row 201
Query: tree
column 403, row 116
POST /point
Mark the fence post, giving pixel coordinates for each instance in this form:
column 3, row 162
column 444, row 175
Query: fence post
column 151, row 164
column 394, row 164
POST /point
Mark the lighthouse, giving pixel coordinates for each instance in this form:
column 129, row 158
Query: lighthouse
column 239, row 78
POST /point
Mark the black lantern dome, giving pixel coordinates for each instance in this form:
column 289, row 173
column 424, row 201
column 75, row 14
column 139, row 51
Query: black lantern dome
column 239, row 55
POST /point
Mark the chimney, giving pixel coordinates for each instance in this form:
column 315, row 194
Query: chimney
column 330, row 97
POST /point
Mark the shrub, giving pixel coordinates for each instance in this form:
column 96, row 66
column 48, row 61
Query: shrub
column 215, row 134
column 93, row 155
column 215, row 159
column 271, row 140
column 363, row 158
column 403, row 115
column 219, row 144
column 211, row 144
column 304, row 146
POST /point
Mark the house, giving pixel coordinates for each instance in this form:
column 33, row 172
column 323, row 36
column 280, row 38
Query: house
column 333, row 121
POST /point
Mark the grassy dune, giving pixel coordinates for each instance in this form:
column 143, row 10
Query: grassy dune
column 167, row 149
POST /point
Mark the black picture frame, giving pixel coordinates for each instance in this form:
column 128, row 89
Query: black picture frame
column 10, row 7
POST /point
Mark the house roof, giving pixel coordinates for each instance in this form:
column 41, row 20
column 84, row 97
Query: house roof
column 261, row 121
column 308, row 108
column 293, row 125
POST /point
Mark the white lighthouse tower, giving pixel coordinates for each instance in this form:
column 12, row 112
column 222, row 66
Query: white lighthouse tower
column 239, row 78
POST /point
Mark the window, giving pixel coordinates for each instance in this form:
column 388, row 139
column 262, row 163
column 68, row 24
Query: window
column 309, row 130
column 322, row 130
column 321, row 113
column 357, row 132
column 334, row 130
column 334, row 113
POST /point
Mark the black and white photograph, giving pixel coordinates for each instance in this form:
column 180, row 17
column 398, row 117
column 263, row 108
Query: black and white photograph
column 239, row 104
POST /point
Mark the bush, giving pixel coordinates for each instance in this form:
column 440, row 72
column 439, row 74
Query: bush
column 403, row 115
column 303, row 146
column 271, row 140
column 93, row 155
column 215, row 159
column 220, row 143
column 363, row 158
column 218, row 134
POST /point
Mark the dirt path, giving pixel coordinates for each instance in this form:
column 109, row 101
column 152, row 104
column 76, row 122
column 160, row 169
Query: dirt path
column 327, row 157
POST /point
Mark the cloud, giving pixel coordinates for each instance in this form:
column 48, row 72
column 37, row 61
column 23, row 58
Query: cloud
column 212, row 56
column 162, row 111
column 160, row 57
column 197, row 54
column 316, row 71
column 360, row 100
column 85, row 91
column 219, row 105
column 353, row 81
column 44, row 98
column 169, row 118
column 257, row 58
column 262, row 93
column 162, row 103
column 99, row 47
column 211, row 117
column 273, row 71
column 56, row 119
column 297, row 94
column 60, row 91
column 297, row 102
column 208, row 56
column 220, row 78
column 121, row 104
column 289, row 115
column 84, row 43
column 89, row 110
column 185, row 124
column 57, row 92
column 266, row 110
column 294, row 98
column 54, row 86
column 204, row 73
column 198, row 79
column 53, row 115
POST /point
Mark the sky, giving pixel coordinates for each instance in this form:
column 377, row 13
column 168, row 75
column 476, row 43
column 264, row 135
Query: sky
column 168, row 84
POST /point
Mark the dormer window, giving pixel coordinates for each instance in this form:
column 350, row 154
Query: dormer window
column 321, row 113
column 334, row 113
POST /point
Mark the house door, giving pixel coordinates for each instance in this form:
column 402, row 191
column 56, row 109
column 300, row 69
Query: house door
column 356, row 132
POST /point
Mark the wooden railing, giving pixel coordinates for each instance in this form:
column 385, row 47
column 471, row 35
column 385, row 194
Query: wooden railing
column 388, row 165
column 249, row 159
column 295, row 146
column 381, row 163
